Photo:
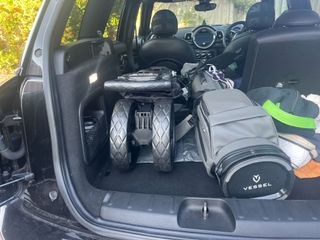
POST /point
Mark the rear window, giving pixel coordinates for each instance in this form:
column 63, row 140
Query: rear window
column 226, row 12
column 72, row 30
column 138, row 21
column 112, row 26
column 315, row 5
column 280, row 7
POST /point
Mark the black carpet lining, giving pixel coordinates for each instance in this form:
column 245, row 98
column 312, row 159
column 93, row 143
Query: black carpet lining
column 306, row 189
column 189, row 180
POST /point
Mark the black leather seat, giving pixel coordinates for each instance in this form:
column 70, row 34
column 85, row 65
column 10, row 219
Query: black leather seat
column 287, row 55
column 164, row 49
column 260, row 16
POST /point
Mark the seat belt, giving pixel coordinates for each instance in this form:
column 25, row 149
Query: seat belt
column 184, row 127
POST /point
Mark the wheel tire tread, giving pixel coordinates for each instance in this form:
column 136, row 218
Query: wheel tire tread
column 161, row 142
column 119, row 146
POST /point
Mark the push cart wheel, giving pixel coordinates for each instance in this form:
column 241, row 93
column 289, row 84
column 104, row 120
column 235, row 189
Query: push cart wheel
column 163, row 135
column 120, row 137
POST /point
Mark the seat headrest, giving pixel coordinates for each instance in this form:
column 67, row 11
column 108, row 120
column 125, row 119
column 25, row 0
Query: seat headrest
column 164, row 24
column 297, row 18
column 260, row 16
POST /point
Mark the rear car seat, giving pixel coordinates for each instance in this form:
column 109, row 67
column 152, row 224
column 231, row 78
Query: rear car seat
column 287, row 55
column 164, row 49
column 259, row 17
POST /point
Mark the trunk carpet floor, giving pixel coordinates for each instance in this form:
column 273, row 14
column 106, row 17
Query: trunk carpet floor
column 187, row 179
column 306, row 189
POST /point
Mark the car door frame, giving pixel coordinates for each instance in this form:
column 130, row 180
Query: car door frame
column 12, row 88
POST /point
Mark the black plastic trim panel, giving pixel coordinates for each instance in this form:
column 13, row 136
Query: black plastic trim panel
column 253, row 218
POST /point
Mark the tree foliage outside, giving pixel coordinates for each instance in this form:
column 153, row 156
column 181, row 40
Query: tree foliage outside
column 111, row 30
column 16, row 19
column 72, row 29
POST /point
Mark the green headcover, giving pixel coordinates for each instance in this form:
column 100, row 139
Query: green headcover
column 287, row 118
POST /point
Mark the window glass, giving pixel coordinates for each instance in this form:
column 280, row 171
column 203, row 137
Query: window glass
column 138, row 22
column 280, row 7
column 226, row 12
column 315, row 5
column 71, row 32
column 112, row 26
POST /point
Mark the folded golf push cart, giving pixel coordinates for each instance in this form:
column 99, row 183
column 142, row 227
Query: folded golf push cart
column 144, row 116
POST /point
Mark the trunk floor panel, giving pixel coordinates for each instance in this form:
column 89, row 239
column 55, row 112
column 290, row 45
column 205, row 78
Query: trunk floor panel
column 187, row 179
column 306, row 189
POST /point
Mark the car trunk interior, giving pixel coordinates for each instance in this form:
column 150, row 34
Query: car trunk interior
column 91, row 168
column 188, row 178
column 68, row 124
column 143, row 196
column 120, row 196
